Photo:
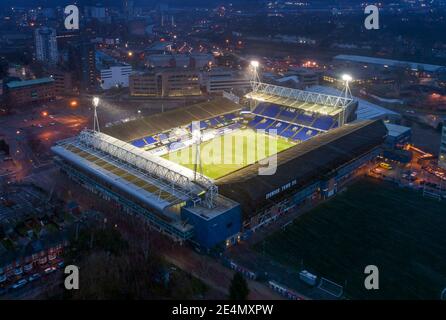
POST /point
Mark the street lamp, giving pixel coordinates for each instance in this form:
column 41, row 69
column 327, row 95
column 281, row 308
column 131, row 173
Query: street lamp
column 347, row 94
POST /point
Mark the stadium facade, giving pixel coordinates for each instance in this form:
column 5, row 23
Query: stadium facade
column 125, row 162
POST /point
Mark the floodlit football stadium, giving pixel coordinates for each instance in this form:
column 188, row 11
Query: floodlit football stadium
column 196, row 175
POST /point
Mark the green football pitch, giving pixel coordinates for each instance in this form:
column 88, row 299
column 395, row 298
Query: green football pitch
column 228, row 153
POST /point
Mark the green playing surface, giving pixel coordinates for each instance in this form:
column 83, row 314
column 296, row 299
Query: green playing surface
column 228, row 153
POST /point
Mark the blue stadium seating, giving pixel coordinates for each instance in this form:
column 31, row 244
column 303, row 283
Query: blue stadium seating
column 279, row 126
column 254, row 121
column 163, row 136
column 291, row 131
column 265, row 124
column 287, row 115
column 323, row 122
column 214, row 122
column 203, row 125
column 259, row 108
column 305, row 134
column 304, row 119
column 150, row 140
column 139, row 143
column 271, row 110
column 229, row 116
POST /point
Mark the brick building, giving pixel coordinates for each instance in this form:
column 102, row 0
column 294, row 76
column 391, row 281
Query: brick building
column 22, row 93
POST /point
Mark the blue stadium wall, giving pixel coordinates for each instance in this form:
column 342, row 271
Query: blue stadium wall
column 400, row 140
column 209, row 233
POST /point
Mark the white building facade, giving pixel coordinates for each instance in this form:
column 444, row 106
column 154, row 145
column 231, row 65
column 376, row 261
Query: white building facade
column 115, row 76
column 219, row 80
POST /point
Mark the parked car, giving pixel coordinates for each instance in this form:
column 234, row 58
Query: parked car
column 49, row 270
column 33, row 277
column 19, row 284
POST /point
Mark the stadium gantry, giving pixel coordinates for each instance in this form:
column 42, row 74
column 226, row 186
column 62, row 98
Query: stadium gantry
column 323, row 104
column 171, row 177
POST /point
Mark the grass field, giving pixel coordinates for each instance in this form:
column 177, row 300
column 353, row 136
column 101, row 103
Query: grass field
column 373, row 222
column 223, row 155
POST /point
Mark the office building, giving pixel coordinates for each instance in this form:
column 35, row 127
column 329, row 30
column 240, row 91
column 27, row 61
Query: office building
column 24, row 93
column 166, row 83
column 223, row 79
column 46, row 45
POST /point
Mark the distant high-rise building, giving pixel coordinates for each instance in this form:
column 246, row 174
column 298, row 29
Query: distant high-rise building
column 442, row 157
column 128, row 8
column 88, row 65
column 46, row 45
column 81, row 63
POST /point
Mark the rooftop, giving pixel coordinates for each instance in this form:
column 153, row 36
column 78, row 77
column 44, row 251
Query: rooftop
column 222, row 205
column 396, row 130
column 366, row 110
column 307, row 100
column 303, row 164
column 141, row 184
column 389, row 62
column 27, row 83
column 160, row 122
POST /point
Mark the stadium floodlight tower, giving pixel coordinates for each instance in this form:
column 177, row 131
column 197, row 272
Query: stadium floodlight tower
column 346, row 93
column 196, row 136
column 255, row 82
column 95, row 114
column 255, row 79
column 346, row 90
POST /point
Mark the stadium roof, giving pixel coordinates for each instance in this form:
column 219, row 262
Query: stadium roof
column 154, row 181
column 303, row 164
column 396, row 130
column 305, row 100
column 366, row 110
column 160, row 122
column 388, row 62
column 26, row 83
